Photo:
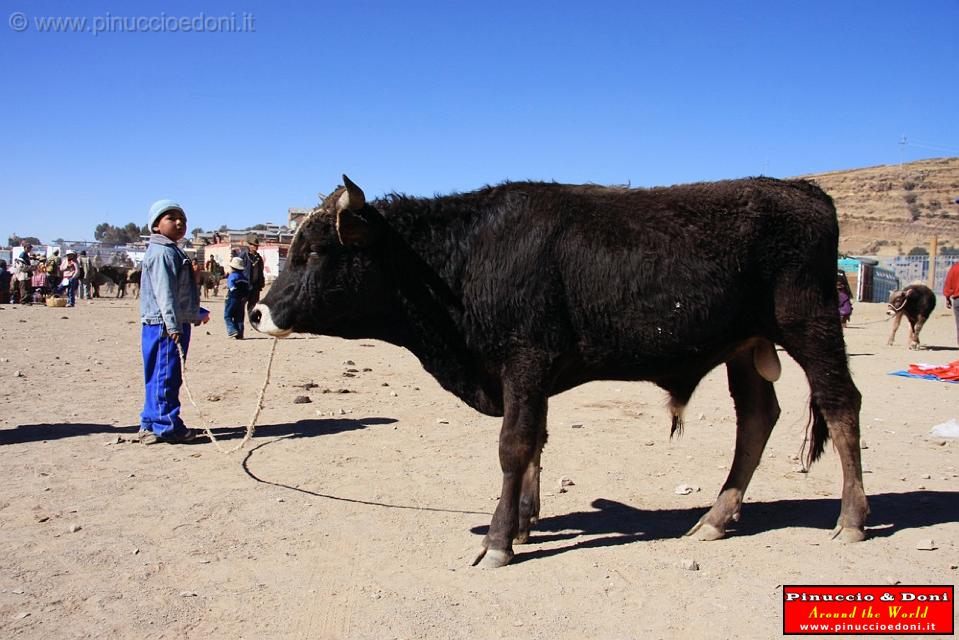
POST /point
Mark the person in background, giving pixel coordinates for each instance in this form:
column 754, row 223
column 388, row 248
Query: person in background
column 214, row 267
column 254, row 273
column 197, row 272
column 40, row 281
column 53, row 269
column 951, row 291
column 86, row 276
column 21, row 274
column 70, row 274
column 169, row 306
column 6, row 280
column 238, row 288
column 845, row 297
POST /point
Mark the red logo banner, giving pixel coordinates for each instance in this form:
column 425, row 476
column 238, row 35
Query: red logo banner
column 868, row 610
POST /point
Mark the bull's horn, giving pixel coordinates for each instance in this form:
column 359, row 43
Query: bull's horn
column 352, row 199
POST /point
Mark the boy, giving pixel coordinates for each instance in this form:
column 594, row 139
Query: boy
column 169, row 305
column 238, row 288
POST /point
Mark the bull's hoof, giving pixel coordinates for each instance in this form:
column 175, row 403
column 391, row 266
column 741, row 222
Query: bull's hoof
column 848, row 534
column 706, row 531
column 492, row 558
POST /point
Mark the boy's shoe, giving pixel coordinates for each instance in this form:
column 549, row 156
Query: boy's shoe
column 180, row 438
column 147, row 437
column 231, row 335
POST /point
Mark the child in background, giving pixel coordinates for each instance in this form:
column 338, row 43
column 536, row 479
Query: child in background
column 169, row 305
column 845, row 297
column 238, row 288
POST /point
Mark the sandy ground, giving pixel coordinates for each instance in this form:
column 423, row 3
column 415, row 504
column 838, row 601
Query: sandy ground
column 357, row 515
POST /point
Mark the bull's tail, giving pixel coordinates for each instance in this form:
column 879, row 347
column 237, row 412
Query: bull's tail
column 817, row 433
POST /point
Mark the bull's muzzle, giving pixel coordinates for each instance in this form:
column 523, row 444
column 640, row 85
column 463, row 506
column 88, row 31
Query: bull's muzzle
column 262, row 321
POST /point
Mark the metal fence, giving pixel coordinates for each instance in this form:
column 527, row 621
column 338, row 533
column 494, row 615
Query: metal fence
column 911, row 269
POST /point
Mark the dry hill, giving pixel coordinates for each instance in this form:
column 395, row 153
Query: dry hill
column 890, row 209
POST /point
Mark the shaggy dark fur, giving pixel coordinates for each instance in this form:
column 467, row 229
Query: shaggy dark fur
column 916, row 302
column 513, row 293
column 117, row 275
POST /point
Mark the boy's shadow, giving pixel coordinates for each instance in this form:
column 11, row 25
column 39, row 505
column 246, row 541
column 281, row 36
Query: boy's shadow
column 300, row 429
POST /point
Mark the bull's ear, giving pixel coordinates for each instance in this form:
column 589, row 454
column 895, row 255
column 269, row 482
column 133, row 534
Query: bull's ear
column 352, row 229
column 353, row 199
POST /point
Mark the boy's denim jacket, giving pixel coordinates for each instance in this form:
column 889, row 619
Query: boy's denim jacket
column 168, row 291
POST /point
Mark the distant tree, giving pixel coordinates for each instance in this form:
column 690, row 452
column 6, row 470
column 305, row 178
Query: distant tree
column 145, row 230
column 257, row 227
column 198, row 230
column 918, row 251
column 132, row 232
column 109, row 234
column 223, row 227
column 15, row 240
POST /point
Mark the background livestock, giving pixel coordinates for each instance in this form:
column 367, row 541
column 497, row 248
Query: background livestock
column 343, row 523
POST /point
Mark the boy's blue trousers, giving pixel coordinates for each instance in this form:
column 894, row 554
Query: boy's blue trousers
column 161, row 371
column 233, row 315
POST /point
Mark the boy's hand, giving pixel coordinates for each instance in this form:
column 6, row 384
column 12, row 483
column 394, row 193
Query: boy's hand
column 175, row 337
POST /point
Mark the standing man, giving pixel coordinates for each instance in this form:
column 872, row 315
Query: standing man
column 22, row 270
column 951, row 291
column 53, row 268
column 86, row 275
column 254, row 273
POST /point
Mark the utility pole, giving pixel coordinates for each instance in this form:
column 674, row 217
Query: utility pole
column 933, row 255
column 902, row 150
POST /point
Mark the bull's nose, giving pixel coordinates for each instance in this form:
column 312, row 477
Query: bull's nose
column 255, row 316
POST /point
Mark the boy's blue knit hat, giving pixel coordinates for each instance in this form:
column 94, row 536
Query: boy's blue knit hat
column 158, row 208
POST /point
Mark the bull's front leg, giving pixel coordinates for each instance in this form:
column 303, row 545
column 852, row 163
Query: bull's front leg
column 520, row 440
column 895, row 327
column 757, row 411
column 529, row 494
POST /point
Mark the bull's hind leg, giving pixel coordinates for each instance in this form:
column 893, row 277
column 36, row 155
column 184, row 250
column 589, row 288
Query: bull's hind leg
column 756, row 412
column 520, row 441
column 914, row 332
column 817, row 345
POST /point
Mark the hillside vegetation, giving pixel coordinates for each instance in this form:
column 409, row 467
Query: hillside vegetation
column 889, row 209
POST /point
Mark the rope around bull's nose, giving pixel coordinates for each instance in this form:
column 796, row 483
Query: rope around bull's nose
column 251, row 427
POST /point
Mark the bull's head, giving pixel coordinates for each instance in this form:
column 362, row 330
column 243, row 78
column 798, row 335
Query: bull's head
column 898, row 300
column 333, row 282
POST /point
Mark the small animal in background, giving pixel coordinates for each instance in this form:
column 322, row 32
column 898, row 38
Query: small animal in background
column 916, row 302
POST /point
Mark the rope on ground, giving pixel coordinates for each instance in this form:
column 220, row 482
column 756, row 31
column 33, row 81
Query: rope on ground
column 251, row 427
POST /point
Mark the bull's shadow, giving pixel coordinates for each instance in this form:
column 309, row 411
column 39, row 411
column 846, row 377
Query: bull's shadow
column 300, row 429
column 620, row 524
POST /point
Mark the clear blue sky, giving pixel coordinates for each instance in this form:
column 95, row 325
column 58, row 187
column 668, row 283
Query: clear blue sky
column 434, row 97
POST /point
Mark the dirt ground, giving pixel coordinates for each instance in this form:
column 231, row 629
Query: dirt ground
column 356, row 515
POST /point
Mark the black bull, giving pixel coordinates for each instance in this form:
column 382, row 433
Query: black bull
column 514, row 293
